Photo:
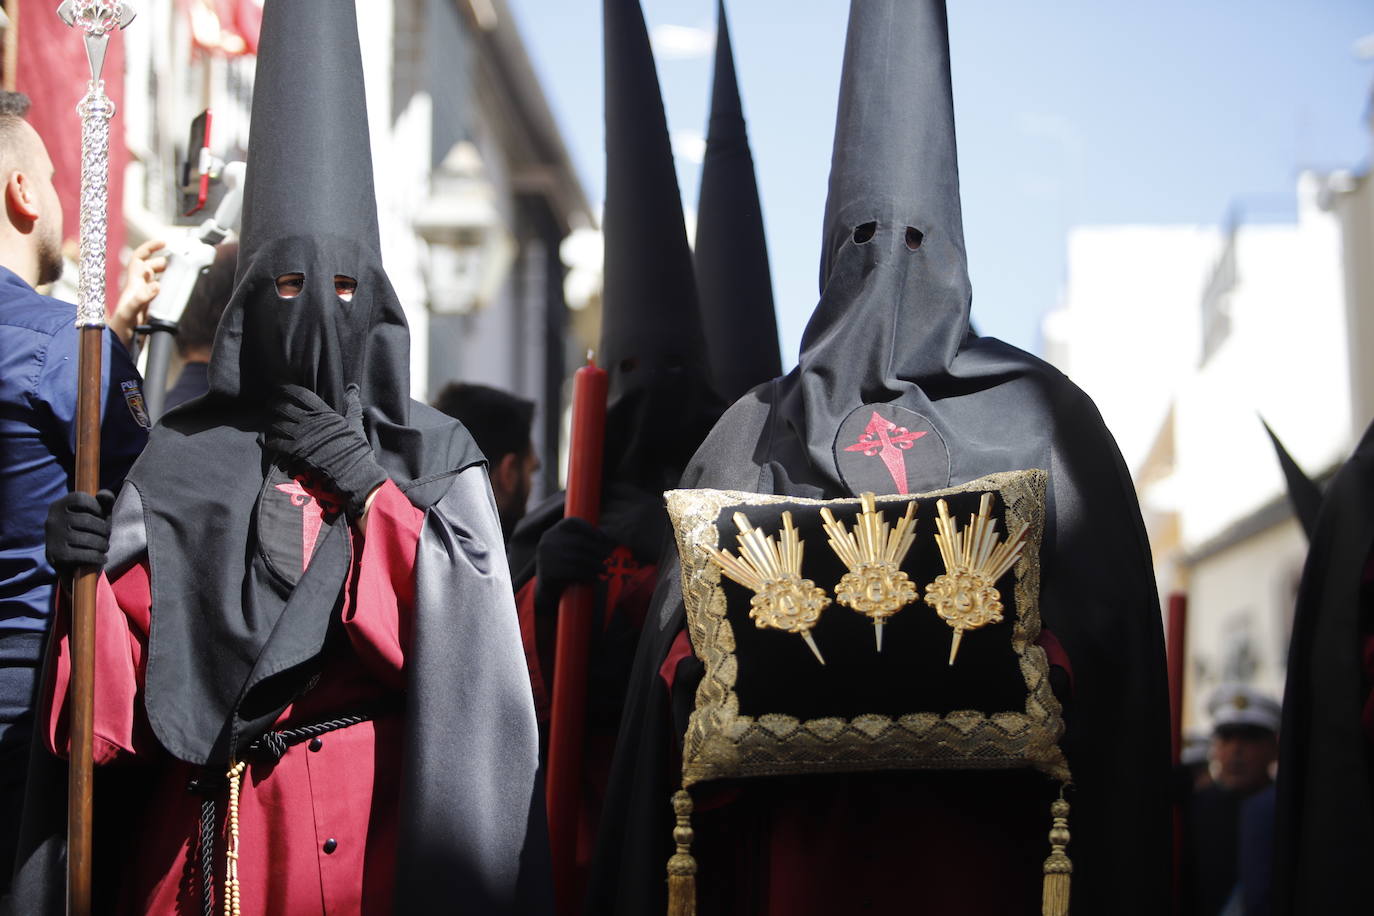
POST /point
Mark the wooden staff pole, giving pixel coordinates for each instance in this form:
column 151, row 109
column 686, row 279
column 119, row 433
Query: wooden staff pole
column 80, row 775
column 576, row 613
column 95, row 20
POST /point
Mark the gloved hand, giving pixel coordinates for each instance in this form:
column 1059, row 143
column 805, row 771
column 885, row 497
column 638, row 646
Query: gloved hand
column 572, row 550
column 78, row 531
column 306, row 430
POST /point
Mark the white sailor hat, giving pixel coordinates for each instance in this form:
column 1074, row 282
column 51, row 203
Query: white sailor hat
column 1233, row 705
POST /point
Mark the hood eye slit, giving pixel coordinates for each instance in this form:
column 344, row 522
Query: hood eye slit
column 291, row 285
column 914, row 237
column 864, row 232
column 345, row 287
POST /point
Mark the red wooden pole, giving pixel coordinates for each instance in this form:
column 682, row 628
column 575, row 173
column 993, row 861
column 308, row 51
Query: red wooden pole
column 1176, row 640
column 1176, row 647
column 576, row 613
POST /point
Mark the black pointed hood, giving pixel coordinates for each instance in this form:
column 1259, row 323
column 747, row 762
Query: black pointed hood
column 299, row 216
column 893, row 256
column 661, row 400
column 1303, row 492
column 883, row 342
column 732, row 272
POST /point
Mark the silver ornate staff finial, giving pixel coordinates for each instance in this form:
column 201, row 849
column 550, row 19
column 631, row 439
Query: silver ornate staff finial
column 97, row 18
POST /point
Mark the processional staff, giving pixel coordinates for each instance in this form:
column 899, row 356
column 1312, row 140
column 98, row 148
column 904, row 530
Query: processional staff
column 96, row 19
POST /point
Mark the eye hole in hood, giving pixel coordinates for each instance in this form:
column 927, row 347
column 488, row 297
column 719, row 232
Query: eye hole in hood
column 864, row 232
column 345, row 287
column 914, row 238
column 289, row 286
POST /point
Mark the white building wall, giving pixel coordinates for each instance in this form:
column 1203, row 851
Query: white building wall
column 1127, row 331
column 1352, row 200
column 1133, row 331
column 1285, row 359
column 1240, row 614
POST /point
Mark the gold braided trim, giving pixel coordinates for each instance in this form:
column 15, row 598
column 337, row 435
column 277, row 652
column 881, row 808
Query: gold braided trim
column 721, row 743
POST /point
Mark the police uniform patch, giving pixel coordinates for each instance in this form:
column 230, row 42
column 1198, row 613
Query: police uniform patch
column 133, row 396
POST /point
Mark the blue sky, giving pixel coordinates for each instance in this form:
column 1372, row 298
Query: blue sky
column 1067, row 114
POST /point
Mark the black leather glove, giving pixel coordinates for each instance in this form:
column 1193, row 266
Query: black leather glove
column 572, row 550
column 307, row 430
column 77, row 531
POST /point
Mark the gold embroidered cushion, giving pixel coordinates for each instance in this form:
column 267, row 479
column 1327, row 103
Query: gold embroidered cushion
column 849, row 635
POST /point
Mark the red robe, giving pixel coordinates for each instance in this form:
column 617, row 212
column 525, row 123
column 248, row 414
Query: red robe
column 318, row 828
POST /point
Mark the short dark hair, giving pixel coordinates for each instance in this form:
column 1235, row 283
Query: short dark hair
column 14, row 152
column 214, row 286
column 498, row 420
column 13, row 104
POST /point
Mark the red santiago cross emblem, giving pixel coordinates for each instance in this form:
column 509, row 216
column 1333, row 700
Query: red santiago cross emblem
column 313, row 509
column 887, row 440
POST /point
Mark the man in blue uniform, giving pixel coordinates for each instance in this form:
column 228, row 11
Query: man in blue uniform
column 38, row 381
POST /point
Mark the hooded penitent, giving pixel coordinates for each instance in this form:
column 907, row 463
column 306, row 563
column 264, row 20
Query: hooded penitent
column 309, row 209
column 661, row 402
column 731, row 253
column 1325, row 809
column 893, row 394
column 238, row 627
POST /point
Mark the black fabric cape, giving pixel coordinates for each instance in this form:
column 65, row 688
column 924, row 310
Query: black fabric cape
column 1325, row 816
column 890, row 334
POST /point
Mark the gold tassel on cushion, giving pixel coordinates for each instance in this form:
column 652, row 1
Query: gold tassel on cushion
column 682, row 868
column 1058, row 868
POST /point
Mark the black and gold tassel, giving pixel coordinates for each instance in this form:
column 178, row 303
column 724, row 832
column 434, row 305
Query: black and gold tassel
column 682, row 868
column 1058, row 868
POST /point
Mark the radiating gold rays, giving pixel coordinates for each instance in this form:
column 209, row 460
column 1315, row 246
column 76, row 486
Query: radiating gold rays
column 965, row 597
column 782, row 599
column 873, row 552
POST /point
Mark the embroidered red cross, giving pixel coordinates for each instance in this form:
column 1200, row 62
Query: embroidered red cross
column 887, row 440
column 311, row 522
column 621, row 566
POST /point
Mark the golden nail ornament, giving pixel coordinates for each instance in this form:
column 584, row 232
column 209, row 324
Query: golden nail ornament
column 782, row 599
column 875, row 584
column 966, row 596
